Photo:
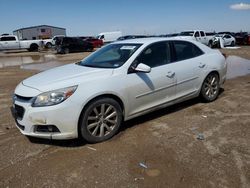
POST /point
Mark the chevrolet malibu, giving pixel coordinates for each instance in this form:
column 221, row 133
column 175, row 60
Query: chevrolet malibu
column 123, row 80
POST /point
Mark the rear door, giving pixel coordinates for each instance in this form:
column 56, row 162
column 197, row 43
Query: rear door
column 149, row 90
column 227, row 40
column 188, row 67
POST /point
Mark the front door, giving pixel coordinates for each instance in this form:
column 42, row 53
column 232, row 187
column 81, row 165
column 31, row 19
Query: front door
column 149, row 90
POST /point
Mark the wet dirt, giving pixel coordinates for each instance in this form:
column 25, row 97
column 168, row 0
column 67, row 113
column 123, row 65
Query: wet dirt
column 38, row 61
column 165, row 141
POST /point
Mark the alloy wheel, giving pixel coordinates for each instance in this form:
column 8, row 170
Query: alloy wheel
column 211, row 86
column 102, row 120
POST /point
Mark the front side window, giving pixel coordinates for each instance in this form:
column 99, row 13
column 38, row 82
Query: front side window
column 110, row 56
column 186, row 50
column 196, row 34
column 155, row 55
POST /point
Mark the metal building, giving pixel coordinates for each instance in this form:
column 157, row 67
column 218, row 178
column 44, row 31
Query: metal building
column 39, row 32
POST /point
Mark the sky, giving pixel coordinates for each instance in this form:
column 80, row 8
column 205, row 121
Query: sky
column 90, row 17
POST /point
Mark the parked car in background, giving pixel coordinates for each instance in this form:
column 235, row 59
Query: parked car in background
column 11, row 42
column 47, row 43
column 126, row 37
column 226, row 39
column 171, row 35
column 56, row 40
column 73, row 44
column 108, row 37
column 97, row 43
column 120, row 81
column 242, row 38
column 199, row 36
column 226, row 32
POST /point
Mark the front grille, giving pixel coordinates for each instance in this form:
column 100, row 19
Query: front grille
column 21, row 98
column 19, row 111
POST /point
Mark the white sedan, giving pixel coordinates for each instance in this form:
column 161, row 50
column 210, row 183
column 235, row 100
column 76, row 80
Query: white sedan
column 120, row 81
column 224, row 40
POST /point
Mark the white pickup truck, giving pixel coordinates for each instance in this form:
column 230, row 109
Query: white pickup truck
column 11, row 42
column 199, row 36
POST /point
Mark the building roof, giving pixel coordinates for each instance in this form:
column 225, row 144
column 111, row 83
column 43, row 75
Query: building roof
column 38, row 26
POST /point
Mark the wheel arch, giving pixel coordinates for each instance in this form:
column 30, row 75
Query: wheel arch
column 214, row 71
column 48, row 44
column 112, row 96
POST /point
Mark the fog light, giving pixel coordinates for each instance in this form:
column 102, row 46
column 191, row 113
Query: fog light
column 46, row 129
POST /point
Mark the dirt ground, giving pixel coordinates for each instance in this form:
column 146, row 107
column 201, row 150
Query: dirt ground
column 160, row 149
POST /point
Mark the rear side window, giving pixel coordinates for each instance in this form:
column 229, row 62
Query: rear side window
column 202, row 34
column 186, row 50
column 8, row 39
column 155, row 55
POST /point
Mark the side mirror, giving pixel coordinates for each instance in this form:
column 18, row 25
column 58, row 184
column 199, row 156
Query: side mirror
column 143, row 68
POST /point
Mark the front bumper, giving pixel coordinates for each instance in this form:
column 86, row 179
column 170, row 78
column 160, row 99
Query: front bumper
column 61, row 120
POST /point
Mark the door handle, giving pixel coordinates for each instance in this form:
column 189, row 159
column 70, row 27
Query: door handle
column 202, row 65
column 170, row 74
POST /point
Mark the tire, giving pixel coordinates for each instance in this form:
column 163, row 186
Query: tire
column 66, row 51
column 48, row 45
column 100, row 120
column 33, row 48
column 210, row 88
column 232, row 43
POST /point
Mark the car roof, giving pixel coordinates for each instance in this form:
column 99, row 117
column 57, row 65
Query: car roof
column 148, row 41
column 152, row 40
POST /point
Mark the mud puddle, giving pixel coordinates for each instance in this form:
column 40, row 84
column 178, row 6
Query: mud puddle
column 6, row 61
column 237, row 66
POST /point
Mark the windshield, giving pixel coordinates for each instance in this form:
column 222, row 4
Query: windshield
column 186, row 33
column 110, row 56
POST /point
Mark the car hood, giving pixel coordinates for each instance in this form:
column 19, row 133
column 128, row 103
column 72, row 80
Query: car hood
column 65, row 76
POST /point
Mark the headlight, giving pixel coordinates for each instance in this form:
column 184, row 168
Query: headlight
column 53, row 97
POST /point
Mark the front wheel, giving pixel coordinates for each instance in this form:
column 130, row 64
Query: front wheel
column 100, row 120
column 210, row 87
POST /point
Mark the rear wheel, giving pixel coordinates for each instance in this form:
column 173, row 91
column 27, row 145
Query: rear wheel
column 210, row 87
column 232, row 43
column 100, row 120
column 33, row 48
